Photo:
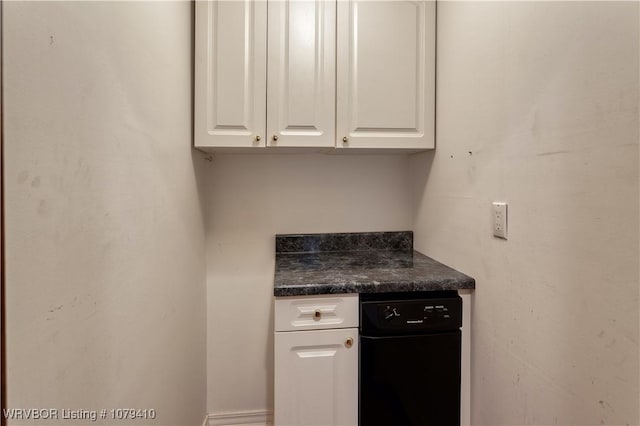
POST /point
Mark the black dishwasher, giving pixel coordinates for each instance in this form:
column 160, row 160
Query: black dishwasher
column 410, row 359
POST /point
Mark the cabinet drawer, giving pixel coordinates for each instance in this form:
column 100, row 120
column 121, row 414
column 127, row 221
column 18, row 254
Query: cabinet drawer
column 316, row 312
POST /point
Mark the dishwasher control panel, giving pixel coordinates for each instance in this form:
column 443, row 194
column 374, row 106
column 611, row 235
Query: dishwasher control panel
column 411, row 316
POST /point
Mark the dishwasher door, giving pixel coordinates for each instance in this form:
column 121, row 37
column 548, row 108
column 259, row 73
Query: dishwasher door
column 410, row 380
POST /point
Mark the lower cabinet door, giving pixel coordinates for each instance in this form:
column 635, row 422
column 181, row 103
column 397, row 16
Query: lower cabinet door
column 316, row 378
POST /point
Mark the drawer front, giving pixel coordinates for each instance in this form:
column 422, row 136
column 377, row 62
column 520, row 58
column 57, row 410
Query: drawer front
column 316, row 312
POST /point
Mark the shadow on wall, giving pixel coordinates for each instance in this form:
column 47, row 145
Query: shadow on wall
column 421, row 165
column 201, row 164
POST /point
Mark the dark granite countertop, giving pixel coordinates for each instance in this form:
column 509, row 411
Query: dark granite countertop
column 359, row 263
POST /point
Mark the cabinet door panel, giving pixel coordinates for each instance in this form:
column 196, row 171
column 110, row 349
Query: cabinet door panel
column 316, row 378
column 386, row 74
column 230, row 73
column 301, row 77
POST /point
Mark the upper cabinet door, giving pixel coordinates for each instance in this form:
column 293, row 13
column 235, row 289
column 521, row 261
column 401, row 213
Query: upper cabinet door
column 301, row 76
column 386, row 74
column 230, row 74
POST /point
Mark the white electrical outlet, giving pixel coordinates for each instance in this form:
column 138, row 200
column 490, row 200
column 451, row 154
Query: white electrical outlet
column 500, row 220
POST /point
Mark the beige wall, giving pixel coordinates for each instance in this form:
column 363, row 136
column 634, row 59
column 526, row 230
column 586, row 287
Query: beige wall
column 250, row 198
column 105, row 236
column 538, row 106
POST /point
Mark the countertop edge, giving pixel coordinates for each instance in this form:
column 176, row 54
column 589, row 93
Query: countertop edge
column 392, row 287
column 455, row 280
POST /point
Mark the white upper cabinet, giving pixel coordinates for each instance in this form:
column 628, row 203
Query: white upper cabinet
column 301, row 73
column 386, row 74
column 230, row 74
column 319, row 73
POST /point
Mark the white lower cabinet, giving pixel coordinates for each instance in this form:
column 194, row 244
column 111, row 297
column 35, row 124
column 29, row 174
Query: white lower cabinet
column 316, row 371
column 316, row 378
column 316, row 360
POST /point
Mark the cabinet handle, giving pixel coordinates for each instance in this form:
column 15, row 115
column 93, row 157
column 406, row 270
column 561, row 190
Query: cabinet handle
column 258, row 138
column 317, row 314
column 349, row 342
column 345, row 139
column 275, row 137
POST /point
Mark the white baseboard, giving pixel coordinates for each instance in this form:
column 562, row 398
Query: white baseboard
column 241, row 418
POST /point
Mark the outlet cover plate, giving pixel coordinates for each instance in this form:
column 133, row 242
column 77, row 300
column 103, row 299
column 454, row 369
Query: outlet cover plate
column 500, row 219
